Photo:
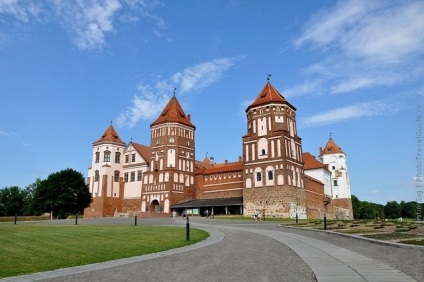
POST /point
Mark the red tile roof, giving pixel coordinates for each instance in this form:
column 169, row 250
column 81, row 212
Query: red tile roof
column 173, row 112
column 110, row 135
column 331, row 148
column 269, row 95
column 144, row 151
column 309, row 162
column 225, row 167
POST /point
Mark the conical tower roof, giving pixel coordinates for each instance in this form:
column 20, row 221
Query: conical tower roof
column 110, row 135
column 173, row 112
column 331, row 148
column 268, row 95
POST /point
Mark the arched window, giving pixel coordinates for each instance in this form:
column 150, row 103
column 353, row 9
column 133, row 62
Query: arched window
column 258, row 176
column 107, row 156
column 263, row 152
column 96, row 176
column 270, row 175
column 116, row 176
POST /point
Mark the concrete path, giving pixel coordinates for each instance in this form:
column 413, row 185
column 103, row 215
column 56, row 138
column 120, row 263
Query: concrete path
column 242, row 251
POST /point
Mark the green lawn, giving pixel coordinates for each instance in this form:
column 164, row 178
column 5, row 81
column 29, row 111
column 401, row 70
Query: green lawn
column 32, row 248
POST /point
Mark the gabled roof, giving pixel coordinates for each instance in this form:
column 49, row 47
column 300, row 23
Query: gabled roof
column 173, row 112
column 310, row 162
column 144, row 151
column 227, row 167
column 269, row 95
column 331, row 148
column 110, row 135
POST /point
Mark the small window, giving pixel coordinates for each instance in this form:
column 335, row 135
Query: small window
column 97, row 157
column 139, row 174
column 133, row 157
column 116, row 176
column 263, row 152
column 132, row 176
column 126, row 177
column 117, row 157
column 96, row 176
column 270, row 175
column 258, row 176
column 107, row 156
column 127, row 158
column 333, row 167
column 335, row 182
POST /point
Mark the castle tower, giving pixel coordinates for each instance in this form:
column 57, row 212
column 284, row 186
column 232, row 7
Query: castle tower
column 335, row 159
column 170, row 179
column 272, row 154
column 333, row 156
column 104, row 175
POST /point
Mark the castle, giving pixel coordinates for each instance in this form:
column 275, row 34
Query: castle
column 273, row 175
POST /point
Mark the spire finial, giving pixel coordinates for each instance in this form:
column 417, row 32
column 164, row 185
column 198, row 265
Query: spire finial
column 206, row 154
column 330, row 134
column 175, row 89
column 111, row 122
column 269, row 76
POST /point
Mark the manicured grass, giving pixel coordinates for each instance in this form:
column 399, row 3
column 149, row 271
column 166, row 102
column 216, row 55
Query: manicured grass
column 390, row 236
column 32, row 248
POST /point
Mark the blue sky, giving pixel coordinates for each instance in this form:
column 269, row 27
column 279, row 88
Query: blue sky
column 351, row 68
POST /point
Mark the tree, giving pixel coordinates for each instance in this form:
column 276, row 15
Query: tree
column 392, row 210
column 63, row 192
column 12, row 201
column 30, row 205
column 408, row 209
column 356, row 207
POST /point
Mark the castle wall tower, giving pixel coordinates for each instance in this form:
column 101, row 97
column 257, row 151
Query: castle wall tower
column 170, row 179
column 333, row 156
column 105, row 175
column 335, row 159
column 272, row 154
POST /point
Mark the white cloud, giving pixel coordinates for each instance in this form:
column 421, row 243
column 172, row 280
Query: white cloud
column 152, row 98
column 309, row 87
column 88, row 21
column 365, row 44
column 5, row 133
column 367, row 109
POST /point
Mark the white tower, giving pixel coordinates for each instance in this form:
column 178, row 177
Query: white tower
column 333, row 156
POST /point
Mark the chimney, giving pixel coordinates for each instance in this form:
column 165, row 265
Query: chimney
column 240, row 159
column 226, row 161
column 320, row 150
column 189, row 117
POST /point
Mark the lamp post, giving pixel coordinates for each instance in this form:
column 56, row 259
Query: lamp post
column 187, row 229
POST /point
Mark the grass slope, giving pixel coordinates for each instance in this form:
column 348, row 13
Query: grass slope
column 33, row 248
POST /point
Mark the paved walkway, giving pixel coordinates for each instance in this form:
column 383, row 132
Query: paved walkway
column 243, row 251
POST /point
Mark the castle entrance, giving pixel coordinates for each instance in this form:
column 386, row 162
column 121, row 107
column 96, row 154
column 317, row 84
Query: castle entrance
column 154, row 206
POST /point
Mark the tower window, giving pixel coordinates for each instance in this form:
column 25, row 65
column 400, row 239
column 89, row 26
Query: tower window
column 117, row 157
column 116, row 176
column 335, row 182
column 270, row 175
column 107, row 156
column 258, row 176
column 97, row 157
column 263, row 152
column 96, row 176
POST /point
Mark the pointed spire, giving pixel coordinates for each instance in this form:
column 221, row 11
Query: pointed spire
column 173, row 112
column 331, row 148
column 110, row 135
column 267, row 95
